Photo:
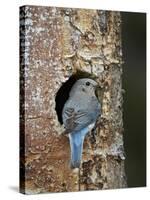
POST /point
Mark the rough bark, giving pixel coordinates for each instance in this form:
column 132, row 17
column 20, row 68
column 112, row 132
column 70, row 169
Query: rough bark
column 54, row 44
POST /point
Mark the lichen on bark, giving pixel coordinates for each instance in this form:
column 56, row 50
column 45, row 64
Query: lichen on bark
column 56, row 43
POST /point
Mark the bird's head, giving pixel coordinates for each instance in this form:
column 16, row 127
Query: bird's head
column 85, row 85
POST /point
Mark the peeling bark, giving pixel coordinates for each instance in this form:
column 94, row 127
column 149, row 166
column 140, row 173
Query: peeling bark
column 56, row 43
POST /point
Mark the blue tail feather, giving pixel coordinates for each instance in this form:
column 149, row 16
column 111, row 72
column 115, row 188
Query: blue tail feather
column 76, row 144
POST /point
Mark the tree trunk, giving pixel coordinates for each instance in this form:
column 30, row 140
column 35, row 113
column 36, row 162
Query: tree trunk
column 56, row 43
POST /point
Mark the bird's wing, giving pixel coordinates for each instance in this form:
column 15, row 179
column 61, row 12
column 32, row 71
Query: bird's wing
column 75, row 121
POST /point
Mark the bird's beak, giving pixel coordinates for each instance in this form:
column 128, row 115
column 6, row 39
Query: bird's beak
column 98, row 87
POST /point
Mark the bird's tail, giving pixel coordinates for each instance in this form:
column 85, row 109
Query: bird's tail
column 76, row 144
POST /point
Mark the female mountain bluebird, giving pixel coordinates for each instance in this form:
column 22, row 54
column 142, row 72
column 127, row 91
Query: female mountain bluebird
column 80, row 113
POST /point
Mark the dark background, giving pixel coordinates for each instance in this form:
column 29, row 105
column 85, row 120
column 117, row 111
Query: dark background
column 134, row 83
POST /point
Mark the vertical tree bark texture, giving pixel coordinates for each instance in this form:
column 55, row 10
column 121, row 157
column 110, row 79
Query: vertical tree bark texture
column 54, row 44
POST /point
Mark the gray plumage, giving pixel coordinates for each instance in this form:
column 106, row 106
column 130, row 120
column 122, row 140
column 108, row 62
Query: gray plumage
column 80, row 113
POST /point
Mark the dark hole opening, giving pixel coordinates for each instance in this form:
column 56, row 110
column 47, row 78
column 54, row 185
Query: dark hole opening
column 63, row 93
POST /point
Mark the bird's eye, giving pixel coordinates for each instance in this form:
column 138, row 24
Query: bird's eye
column 87, row 83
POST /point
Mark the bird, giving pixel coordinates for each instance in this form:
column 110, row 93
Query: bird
column 79, row 114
